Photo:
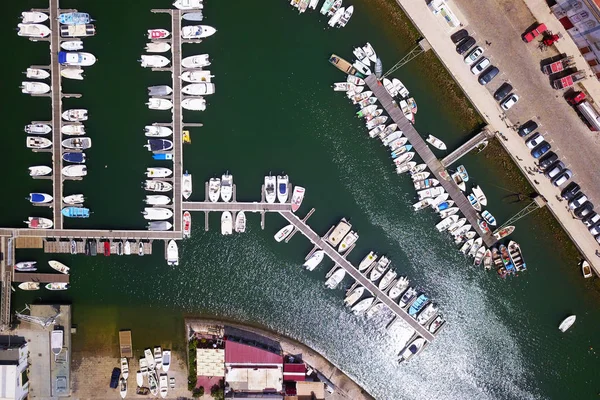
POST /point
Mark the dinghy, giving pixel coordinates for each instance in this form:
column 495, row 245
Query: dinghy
column 39, row 170
column 186, row 185
column 76, row 58
column 186, row 223
column 188, row 4
column 226, row 223
column 172, row 260
column 158, row 172
column 39, row 223
column 74, row 171
column 34, row 87
column 199, row 89
column 36, row 142
column 29, row 286
column 157, row 200
column 159, row 226
column 33, row 17
column 72, row 45
column 73, row 129
column 158, row 34
column 196, row 76
column 154, row 61
column 158, row 145
column 37, row 73
column 157, row 47
column 157, row 131
column 240, row 222
column 195, row 16
column 57, row 286
column 38, row 129
column 80, row 143
column 33, row 30
column 73, row 199
column 39, row 198
column 157, row 213
column 77, row 158
column 58, row 266
column 197, row 61
column 72, row 73
column 194, row 104
column 155, row 103
column 75, row 115
column 435, row 142
column 26, row 266
column 74, row 18
column 197, row 31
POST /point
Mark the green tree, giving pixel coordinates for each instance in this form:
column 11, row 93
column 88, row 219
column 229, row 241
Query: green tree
column 217, row 392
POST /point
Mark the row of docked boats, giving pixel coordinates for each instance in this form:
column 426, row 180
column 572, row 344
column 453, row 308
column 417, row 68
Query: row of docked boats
column 30, row 266
column 151, row 364
column 338, row 15
column 72, row 24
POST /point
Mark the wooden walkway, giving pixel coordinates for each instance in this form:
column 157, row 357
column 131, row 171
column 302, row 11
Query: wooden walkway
column 236, row 206
column 467, row 147
column 57, row 163
column 177, row 119
column 355, row 274
column 6, row 263
column 421, row 147
column 91, row 234
column 41, row 278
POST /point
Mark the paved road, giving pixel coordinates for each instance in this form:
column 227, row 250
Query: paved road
column 501, row 23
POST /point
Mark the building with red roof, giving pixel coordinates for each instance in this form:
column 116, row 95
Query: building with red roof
column 251, row 369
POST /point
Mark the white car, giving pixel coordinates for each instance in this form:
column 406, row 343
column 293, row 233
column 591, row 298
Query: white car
column 480, row 66
column 534, row 140
column 473, row 55
column 510, row 101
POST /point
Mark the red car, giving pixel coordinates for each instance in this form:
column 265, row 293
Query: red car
column 535, row 32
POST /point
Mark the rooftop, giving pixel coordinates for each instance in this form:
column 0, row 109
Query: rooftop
column 239, row 353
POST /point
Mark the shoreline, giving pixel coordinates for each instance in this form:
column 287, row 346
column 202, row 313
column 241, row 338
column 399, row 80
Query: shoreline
column 346, row 387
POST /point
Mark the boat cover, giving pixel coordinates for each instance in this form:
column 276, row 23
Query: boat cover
column 76, row 212
column 37, row 198
column 74, row 18
column 159, row 144
column 74, row 157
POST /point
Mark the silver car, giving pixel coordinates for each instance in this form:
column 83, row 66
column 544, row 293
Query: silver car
column 480, row 66
column 473, row 55
column 510, row 101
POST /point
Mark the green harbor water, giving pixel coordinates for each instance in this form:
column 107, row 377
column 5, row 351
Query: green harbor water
column 274, row 111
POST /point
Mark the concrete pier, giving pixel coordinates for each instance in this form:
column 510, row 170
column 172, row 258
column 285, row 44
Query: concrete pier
column 464, row 149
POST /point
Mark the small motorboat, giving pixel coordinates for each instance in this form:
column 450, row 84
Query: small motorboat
column 480, row 196
column 488, row 217
column 282, row 188
column 297, row 197
column 73, row 129
column 412, row 349
column 193, row 16
column 80, row 143
column 36, row 142
column 188, row 4
column 196, row 76
column 166, row 360
column 435, row 142
column 33, row 30
column 353, row 297
column 336, row 17
column 80, row 30
column 57, row 286
column 157, row 131
column 369, row 52
column 74, row 171
column 158, row 145
column 335, row 278
column 158, row 34
column 158, row 172
column 504, row 232
column 75, row 115
column 314, row 260
column 34, row 87
column 197, row 61
column 487, row 259
column 284, row 232
column 367, row 261
column 226, row 223
column 76, row 212
column 199, row 89
column 157, row 200
column 37, row 73
column 77, row 158
column 348, row 241
column 73, row 199
column 72, row 73
column 398, row 288
column 157, row 213
column 72, row 45
column 362, row 305
column 29, row 286
column 269, row 188
column 26, row 266
column 153, row 382
column 214, row 189
column 159, row 226
column 406, row 167
column 381, row 266
column 154, row 61
column 346, row 17
column 567, row 323
column 479, row 254
column 123, row 387
column 33, row 17
column 163, row 385
column 240, row 222
column 74, row 18
column 187, row 224
column 226, row 187
column 158, row 47
column 159, row 90
column 155, row 103
column 362, row 68
column 38, row 129
column 186, row 185
column 76, row 58
column 586, row 270
column 39, row 223
column 408, row 297
column 194, row 104
column 58, row 266
column 197, row 31
column 387, row 279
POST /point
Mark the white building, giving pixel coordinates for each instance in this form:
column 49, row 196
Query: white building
column 14, row 383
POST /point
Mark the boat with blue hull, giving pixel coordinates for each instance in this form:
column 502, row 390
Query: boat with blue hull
column 418, row 305
column 78, row 158
column 39, row 198
column 76, row 212
column 159, row 145
column 74, row 18
column 162, row 156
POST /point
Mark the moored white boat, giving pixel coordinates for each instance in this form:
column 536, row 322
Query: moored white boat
column 398, row 288
column 197, row 61
column 186, row 185
column 75, row 115
column 76, row 58
column 188, row 4
column 157, row 186
column 38, row 129
column 282, row 188
column 157, row 131
column 199, row 89
column 72, row 45
column 214, row 189
column 346, row 17
column 37, row 73
column 336, row 17
column 297, row 197
column 194, row 104
column 159, row 90
column 284, row 232
column 39, row 170
column 157, row 47
column 226, row 187
column 29, row 286
column 354, row 296
column 240, row 222
column 381, row 266
column 348, row 241
column 567, row 323
column 74, row 171
column 157, row 213
column 34, row 87
column 166, row 360
column 197, row 31
column 367, row 261
column 435, row 142
column 36, row 142
column 154, row 61
column 157, row 200
column 412, row 349
column 194, row 76
column 155, row 103
column 72, row 73
column 270, row 188
column 33, row 17
column 80, row 143
column 33, row 30
column 158, row 34
column 369, row 52
column 58, row 266
column 193, row 16
column 363, row 305
column 480, row 195
column 314, row 260
column 158, row 172
column 226, row 223
column 335, row 278
column 586, row 269
column 387, row 279
column 57, row 286
column 39, row 223
column 26, row 266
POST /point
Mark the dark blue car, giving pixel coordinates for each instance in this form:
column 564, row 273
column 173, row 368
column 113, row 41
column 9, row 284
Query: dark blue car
column 114, row 378
column 540, row 149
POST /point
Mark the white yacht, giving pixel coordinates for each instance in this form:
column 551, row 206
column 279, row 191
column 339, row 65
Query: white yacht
column 36, row 142
column 199, row 89
column 284, row 232
column 157, row 186
column 398, row 288
column 240, row 222
column 270, row 189
column 158, row 172
column 314, row 260
column 157, row 200
column 157, row 213
column 188, row 4
column 197, row 61
column 157, row 47
column 33, row 17
column 186, row 185
column 214, row 189
column 74, row 171
column 172, row 256
column 380, row 268
column 348, row 241
column 368, row 260
column 226, row 187
column 197, row 31
column 387, row 279
column 335, row 278
column 34, row 87
column 155, row 103
column 124, row 368
column 194, row 76
column 154, row 61
column 282, row 188
column 72, row 45
column 33, row 30
column 354, row 296
column 37, row 73
column 157, row 131
column 363, row 305
column 39, row 170
column 226, row 223
column 194, row 104
column 75, row 115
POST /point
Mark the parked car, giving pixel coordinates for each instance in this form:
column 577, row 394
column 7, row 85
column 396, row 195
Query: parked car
column 114, row 378
column 465, row 45
column 480, row 65
column 509, row 102
column 534, row 140
column 473, row 55
column 554, row 169
column 584, row 210
column 503, row 91
column 577, row 201
column 591, row 219
column 595, row 229
column 597, row 237
column 562, row 178
column 487, row 75
column 541, row 149
column 547, row 160
column 459, row 35
column 570, row 191
column 534, row 32
column 527, row 128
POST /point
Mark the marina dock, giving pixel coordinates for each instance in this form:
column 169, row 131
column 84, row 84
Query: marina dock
column 57, row 164
column 421, row 147
column 465, row 148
